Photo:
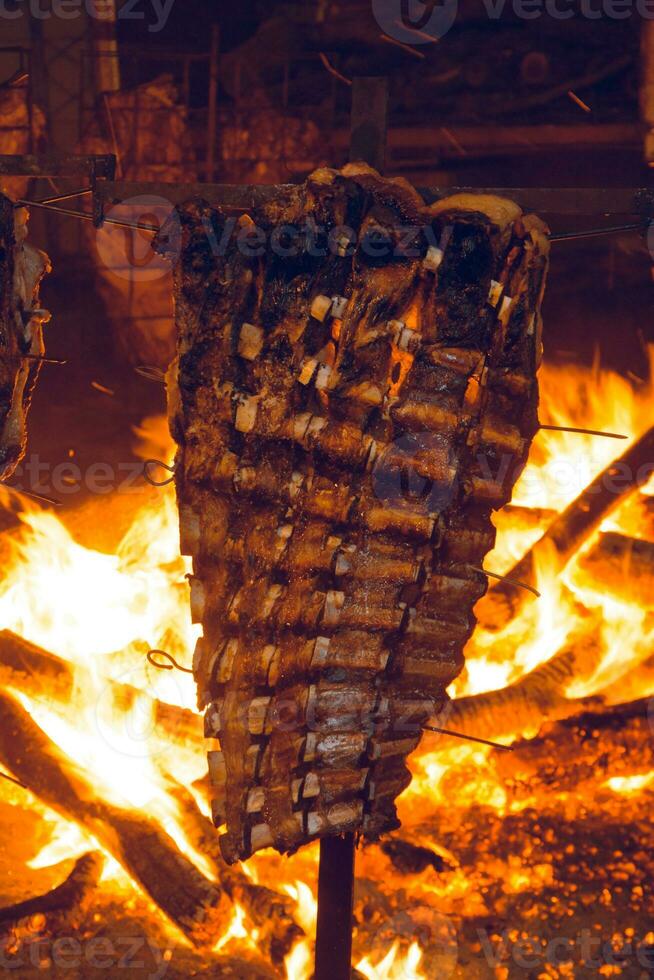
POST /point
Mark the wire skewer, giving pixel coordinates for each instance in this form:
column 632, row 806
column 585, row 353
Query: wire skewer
column 332, row 71
column 583, row 432
column 86, row 216
column 404, row 47
column 12, row 779
column 151, row 373
column 43, row 359
column 567, row 236
column 48, row 203
column 505, row 578
column 468, row 738
column 35, row 496
column 66, row 196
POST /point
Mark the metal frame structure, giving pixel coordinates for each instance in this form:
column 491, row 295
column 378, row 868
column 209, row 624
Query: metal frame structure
column 24, row 56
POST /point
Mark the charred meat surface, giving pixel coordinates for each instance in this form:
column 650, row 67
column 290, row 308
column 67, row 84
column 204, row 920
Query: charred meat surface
column 355, row 391
column 21, row 330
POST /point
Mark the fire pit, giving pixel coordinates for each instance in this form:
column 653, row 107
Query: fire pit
column 530, row 860
column 524, row 846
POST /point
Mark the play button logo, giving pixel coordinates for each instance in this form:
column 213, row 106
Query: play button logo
column 415, row 21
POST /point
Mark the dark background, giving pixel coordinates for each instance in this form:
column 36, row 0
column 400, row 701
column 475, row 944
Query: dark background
column 508, row 77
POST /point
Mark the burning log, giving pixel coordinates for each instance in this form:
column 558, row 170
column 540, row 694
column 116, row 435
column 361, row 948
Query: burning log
column 70, row 895
column 537, row 697
column 527, row 517
column 152, row 859
column 571, row 528
column 269, row 911
column 41, row 674
column 638, row 680
column 588, row 748
column 622, row 566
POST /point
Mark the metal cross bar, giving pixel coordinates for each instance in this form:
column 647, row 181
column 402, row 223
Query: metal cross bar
column 102, row 166
column 542, row 200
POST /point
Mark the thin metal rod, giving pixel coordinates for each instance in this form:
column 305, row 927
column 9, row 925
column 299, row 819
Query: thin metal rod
column 151, row 372
column 333, row 71
column 11, row 779
column 567, row 236
column 506, row 578
column 335, row 908
column 66, row 197
column 35, row 496
column 47, row 204
column 468, row 738
column 583, row 432
column 212, row 102
column 43, row 359
column 88, row 217
column 404, row 47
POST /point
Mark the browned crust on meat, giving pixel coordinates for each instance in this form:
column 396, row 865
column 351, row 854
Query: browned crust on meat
column 336, row 477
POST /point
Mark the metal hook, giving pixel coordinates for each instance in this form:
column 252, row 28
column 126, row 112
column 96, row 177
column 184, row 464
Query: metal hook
column 150, row 479
column 173, row 665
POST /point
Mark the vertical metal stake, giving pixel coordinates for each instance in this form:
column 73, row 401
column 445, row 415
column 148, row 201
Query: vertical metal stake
column 335, row 908
column 368, row 125
column 336, row 871
column 213, row 91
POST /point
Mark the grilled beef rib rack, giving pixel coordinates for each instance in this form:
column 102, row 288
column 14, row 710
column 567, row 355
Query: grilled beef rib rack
column 21, row 330
column 355, row 391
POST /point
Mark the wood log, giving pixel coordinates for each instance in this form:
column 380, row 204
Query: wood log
column 43, row 675
column 527, row 517
column 71, row 895
column 636, row 682
column 570, row 529
column 637, row 514
column 586, row 749
column 536, row 697
column 151, row 858
column 622, row 566
column 574, row 756
column 270, row 912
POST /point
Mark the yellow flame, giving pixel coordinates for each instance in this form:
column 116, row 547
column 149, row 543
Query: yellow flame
column 394, row 966
column 630, row 784
column 299, row 962
column 103, row 612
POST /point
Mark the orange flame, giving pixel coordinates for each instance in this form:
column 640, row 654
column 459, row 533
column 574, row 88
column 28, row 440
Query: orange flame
column 103, row 612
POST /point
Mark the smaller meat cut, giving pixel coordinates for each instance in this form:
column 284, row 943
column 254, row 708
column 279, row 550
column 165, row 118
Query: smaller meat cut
column 21, row 330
